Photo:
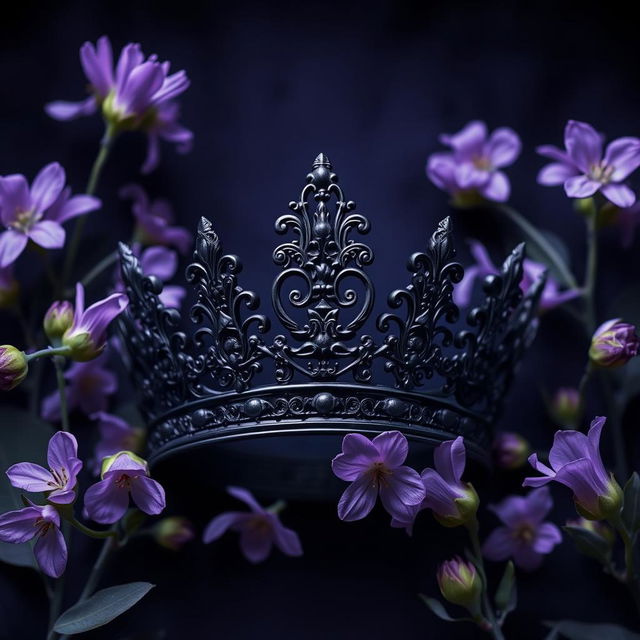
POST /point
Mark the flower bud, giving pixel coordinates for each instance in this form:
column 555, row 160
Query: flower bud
column 108, row 462
column 467, row 507
column 614, row 343
column 81, row 345
column 13, row 367
column 565, row 405
column 460, row 584
column 597, row 528
column 510, row 450
column 172, row 533
column 608, row 504
column 57, row 320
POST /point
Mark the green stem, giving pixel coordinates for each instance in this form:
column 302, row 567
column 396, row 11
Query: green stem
column 554, row 259
column 495, row 629
column 616, row 403
column 591, row 271
column 62, row 390
column 99, row 268
column 630, row 575
column 94, row 177
column 92, row 533
column 582, row 395
column 48, row 353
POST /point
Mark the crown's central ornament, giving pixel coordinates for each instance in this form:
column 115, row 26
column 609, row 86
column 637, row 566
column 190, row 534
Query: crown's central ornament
column 423, row 375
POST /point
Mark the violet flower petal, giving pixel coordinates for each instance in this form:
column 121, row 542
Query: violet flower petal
column 47, row 186
column 623, row 155
column 47, row 234
column 255, row 544
column 497, row 188
column 584, row 145
column 30, row 477
column 148, row 495
column 63, row 449
column 12, row 244
column 287, row 540
column 247, row 497
column 439, row 495
column 555, row 174
column 98, row 65
column 503, row 147
column 17, row 527
column 526, row 557
column 64, row 110
column 105, row 502
column 358, row 499
column 499, row 545
column 450, row 459
column 581, row 187
column 619, row 194
column 546, row 538
column 50, row 551
column 14, row 197
column 463, row 291
column 392, row 447
column 220, row 524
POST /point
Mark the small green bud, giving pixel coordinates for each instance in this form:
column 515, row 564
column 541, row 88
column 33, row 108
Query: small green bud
column 467, row 507
column 13, row 367
column 173, row 532
column 460, row 584
column 81, row 345
column 608, row 505
column 57, row 321
column 108, row 462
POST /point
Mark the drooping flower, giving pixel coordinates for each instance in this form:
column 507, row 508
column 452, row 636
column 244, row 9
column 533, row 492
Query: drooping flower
column 613, row 344
column 90, row 385
column 13, row 367
column 576, row 463
column 552, row 295
column 259, row 528
column 37, row 213
column 375, row 467
column 87, row 336
column 161, row 263
column 510, row 450
column 136, row 94
column 9, row 287
column 154, row 219
column 460, row 584
column 452, row 501
column 525, row 536
column 565, row 405
column 59, row 481
column 173, row 532
column 584, row 170
column 57, row 320
column 475, row 162
column 25, row 524
column 115, row 435
column 123, row 474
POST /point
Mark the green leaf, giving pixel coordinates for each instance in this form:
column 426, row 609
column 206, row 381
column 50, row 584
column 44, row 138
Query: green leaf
column 588, row 543
column 506, row 594
column 102, row 607
column 574, row 630
column 631, row 507
column 438, row 609
column 23, row 438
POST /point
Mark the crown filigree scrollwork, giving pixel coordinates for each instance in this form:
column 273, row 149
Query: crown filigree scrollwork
column 416, row 353
column 320, row 268
column 229, row 356
column 149, row 332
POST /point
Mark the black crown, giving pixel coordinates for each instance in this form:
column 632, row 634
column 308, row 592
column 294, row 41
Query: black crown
column 427, row 373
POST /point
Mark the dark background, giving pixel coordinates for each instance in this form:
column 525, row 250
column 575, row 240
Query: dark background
column 372, row 85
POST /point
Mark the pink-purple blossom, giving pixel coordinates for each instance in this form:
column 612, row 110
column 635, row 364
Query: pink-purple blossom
column 259, row 529
column 89, row 388
column 525, row 536
column 475, row 161
column 87, row 336
column 115, row 435
column 137, row 93
column 59, row 481
column 376, row 468
column 576, row 463
column 584, row 169
column 173, row 532
column 460, row 584
column 613, row 344
column 124, row 474
column 42, row 523
column 510, row 450
column 161, row 263
column 13, row 367
column 36, row 213
column 154, row 220
column 552, row 294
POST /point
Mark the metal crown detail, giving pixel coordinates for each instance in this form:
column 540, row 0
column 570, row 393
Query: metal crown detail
column 423, row 375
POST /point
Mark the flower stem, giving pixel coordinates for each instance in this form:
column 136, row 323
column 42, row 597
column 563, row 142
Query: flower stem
column 616, row 403
column 630, row 574
column 99, row 268
column 591, row 270
column 62, row 390
column 92, row 533
column 553, row 257
column 582, row 395
column 94, row 177
column 494, row 629
column 47, row 353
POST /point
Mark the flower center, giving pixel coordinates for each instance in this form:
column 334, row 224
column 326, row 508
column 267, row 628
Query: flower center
column 123, row 482
column 601, row 173
column 24, row 220
column 481, row 162
column 380, row 474
column 259, row 524
column 524, row 533
column 61, row 478
column 42, row 525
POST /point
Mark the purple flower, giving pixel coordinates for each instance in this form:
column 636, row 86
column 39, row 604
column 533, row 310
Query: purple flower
column 154, row 219
column 25, row 524
column 613, row 344
column 525, row 537
column 90, row 384
column 115, row 435
column 551, row 297
column 582, row 168
column 565, row 405
column 123, row 474
column 259, row 529
column 136, row 94
column 173, row 533
column 375, row 467
column 13, row 367
column 452, row 501
column 60, row 480
column 475, row 161
column 510, row 450
column 37, row 213
column 161, row 263
column 576, row 463
column 87, row 335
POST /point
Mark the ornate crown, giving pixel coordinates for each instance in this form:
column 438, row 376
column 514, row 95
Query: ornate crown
column 426, row 373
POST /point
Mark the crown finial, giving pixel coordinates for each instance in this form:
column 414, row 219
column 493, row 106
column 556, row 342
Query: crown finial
column 322, row 161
